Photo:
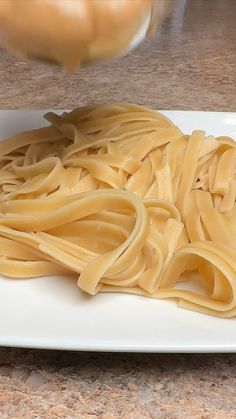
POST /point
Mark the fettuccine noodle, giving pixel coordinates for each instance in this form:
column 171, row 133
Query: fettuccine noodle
column 118, row 196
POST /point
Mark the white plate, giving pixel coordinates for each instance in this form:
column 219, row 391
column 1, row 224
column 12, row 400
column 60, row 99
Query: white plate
column 52, row 312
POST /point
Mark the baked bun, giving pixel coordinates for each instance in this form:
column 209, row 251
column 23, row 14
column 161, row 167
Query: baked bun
column 71, row 32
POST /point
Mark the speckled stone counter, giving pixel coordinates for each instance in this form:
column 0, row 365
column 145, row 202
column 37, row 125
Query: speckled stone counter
column 52, row 385
column 190, row 64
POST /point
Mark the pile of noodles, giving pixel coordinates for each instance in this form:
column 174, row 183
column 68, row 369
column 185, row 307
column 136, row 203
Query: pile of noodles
column 119, row 197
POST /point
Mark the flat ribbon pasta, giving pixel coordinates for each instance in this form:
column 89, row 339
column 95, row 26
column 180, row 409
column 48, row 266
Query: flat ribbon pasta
column 118, row 197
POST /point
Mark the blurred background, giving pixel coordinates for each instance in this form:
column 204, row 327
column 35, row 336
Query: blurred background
column 190, row 63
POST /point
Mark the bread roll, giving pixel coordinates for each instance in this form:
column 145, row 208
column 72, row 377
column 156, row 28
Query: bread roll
column 71, row 32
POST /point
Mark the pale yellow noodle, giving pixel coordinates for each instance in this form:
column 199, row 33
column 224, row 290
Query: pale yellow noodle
column 118, row 197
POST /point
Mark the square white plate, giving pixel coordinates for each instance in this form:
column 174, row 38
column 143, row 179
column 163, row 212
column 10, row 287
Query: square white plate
column 52, row 313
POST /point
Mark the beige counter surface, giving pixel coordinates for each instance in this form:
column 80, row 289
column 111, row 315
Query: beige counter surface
column 190, row 64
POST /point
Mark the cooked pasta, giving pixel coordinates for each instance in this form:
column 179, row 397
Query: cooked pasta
column 117, row 196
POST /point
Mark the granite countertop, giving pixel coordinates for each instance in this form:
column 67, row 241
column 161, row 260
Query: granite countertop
column 189, row 64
